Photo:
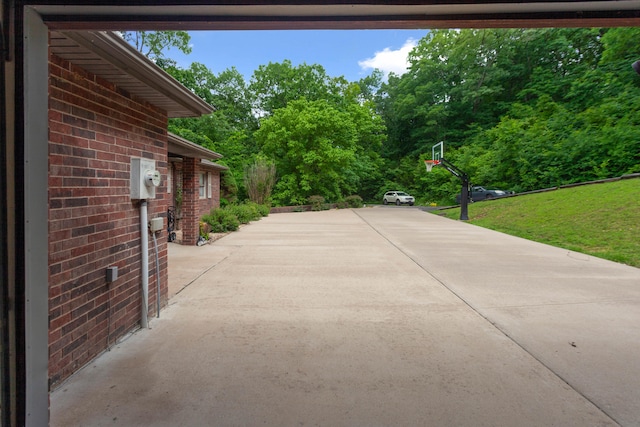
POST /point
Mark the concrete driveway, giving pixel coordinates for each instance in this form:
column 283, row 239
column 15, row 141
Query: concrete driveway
column 379, row 316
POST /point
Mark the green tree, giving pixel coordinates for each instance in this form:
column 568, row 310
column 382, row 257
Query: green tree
column 153, row 44
column 522, row 109
column 461, row 82
column 229, row 129
column 276, row 84
column 365, row 177
column 370, row 85
column 227, row 93
column 454, row 85
column 313, row 144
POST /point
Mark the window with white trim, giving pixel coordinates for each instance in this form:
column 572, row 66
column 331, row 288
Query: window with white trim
column 209, row 185
column 202, row 178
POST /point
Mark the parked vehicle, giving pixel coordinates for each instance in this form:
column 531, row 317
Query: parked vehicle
column 398, row 197
column 479, row 193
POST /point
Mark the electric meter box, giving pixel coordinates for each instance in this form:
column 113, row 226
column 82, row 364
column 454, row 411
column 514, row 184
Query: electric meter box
column 144, row 179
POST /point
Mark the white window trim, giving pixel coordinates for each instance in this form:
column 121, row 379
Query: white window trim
column 209, row 185
column 202, row 185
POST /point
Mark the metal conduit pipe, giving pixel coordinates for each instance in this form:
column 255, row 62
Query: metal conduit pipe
column 155, row 244
column 144, row 266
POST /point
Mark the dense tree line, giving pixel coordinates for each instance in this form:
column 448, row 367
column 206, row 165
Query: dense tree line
column 519, row 109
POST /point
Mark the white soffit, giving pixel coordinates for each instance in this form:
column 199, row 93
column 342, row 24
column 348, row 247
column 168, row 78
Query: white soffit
column 108, row 56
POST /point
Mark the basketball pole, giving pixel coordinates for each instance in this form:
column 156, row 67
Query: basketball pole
column 464, row 193
column 437, row 158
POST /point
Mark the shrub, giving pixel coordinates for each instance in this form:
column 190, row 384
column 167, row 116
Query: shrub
column 259, row 179
column 245, row 212
column 205, row 229
column 262, row 209
column 229, row 218
column 354, row 201
column 316, row 202
column 221, row 220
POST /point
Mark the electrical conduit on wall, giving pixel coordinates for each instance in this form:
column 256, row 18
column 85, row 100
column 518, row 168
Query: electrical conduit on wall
column 155, row 244
column 143, row 182
column 144, row 267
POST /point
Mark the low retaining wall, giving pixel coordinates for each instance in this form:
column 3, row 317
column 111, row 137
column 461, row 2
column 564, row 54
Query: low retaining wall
column 300, row 208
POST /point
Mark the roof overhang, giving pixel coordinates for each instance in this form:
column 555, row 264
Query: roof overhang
column 337, row 14
column 183, row 147
column 212, row 165
column 110, row 57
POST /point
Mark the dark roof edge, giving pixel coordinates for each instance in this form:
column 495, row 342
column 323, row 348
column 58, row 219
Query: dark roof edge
column 214, row 165
column 184, row 147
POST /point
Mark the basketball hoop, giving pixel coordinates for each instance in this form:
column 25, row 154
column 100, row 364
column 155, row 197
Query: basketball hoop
column 430, row 164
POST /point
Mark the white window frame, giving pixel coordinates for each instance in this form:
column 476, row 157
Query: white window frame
column 202, row 185
column 209, row 185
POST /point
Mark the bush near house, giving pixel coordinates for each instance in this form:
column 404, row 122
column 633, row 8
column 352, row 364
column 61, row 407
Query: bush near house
column 221, row 220
column 246, row 212
column 229, row 218
column 263, row 209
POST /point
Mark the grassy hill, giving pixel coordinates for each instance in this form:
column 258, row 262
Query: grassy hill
column 602, row 220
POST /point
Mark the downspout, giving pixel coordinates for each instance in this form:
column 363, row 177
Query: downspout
column 144, row 267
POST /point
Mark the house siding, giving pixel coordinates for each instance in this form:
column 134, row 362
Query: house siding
column 95, row 129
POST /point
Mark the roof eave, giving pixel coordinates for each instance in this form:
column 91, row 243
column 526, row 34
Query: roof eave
column 122, row 55
column 184, row 147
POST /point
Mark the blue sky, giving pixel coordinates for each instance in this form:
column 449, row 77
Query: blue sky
column 349, row 53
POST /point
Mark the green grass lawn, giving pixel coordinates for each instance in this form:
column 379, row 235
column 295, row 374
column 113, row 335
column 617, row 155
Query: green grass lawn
column 602, row 220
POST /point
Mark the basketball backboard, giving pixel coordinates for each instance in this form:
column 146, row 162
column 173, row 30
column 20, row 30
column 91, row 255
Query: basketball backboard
column 437, row 151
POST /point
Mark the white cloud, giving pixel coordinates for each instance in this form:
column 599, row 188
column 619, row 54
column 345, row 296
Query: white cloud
column 389, row 61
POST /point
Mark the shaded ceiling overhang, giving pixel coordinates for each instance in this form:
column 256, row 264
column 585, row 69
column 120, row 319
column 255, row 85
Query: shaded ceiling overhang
column 107, row 55
column 318, row 14
column 183, row 147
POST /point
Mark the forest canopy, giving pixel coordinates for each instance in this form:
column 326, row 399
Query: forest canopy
column 520, row 109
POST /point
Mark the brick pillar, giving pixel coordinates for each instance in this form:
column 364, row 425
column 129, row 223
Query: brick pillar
column 190, row 197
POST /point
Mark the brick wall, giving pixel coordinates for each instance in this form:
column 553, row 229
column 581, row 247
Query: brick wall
column 94, row 130
column 190, row 209
column 214, row 201
column 205, row 205
column 186, row 172
column 176, row 170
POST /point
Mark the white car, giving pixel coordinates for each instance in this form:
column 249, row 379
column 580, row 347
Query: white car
column 398, row 197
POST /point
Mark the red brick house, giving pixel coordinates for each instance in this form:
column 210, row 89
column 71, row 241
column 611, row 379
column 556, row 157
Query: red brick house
column 108, row 104
column 194, row 184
